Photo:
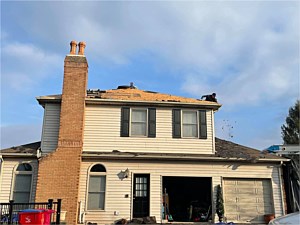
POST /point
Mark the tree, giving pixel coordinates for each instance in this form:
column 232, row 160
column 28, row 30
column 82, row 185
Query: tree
column 290, row 130
column 220, row 203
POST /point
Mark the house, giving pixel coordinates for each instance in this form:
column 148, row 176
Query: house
column 129, row 153
column 291, row 174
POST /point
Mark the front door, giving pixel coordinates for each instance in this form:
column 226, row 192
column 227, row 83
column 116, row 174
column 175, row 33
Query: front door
column 141, row 186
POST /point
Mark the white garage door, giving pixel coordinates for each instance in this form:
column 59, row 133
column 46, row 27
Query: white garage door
column 247, row 200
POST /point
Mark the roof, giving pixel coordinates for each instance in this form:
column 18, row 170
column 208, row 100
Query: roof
column 30, row 148
column 134, row 95
column 141, row 95
column 225, row 150
column 228, row 149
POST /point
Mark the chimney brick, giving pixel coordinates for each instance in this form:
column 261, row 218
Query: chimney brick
column 59, row 172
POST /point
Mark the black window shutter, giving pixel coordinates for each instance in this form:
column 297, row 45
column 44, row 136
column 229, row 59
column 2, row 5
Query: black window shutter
column 202, row 125
column 152, row 122
column 176, row 123
column 125, row 115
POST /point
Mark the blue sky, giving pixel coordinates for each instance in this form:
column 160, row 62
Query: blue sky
column 245, row 51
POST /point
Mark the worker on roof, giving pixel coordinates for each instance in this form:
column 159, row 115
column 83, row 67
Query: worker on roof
column 211, row 98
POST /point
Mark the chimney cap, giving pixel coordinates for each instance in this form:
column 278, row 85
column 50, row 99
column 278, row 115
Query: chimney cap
column 82, row 46
column 73, row 45
column 82, row 43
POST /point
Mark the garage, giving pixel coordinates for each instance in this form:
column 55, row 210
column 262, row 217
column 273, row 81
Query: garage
column 247, row 200
column 187, row 199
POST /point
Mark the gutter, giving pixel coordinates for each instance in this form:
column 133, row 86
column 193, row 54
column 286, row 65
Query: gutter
column 16, row 155
column 43, row 100
column 281, row 189
column 96, row 101
column 1, row 168
column 179, row 158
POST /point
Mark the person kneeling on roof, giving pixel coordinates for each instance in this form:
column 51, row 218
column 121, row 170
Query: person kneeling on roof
column 211, row 98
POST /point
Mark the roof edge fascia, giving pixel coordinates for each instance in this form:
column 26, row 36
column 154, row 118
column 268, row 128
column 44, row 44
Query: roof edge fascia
column 18, row 155
column 179, row 158
column 42, row 100
column 149, row 103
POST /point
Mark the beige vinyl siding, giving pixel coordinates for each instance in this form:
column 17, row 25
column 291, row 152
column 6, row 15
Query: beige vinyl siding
column 8, row 167
column 50, row 128
column 102, row 133
column 116, row 189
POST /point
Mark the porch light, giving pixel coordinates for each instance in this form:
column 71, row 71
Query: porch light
column 125, row 173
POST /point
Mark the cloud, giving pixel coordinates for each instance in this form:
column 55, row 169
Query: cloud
column 24, row 65
column 262, row 62
column 28, row 51
column 240, row 50
column 29, row 133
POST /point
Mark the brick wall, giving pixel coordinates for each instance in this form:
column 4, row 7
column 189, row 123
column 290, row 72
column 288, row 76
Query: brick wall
column 59, row 171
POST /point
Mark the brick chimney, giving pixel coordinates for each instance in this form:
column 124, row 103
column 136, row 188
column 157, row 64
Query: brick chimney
column 59, row 172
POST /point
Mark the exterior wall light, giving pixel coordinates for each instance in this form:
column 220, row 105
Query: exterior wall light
column 125, row 173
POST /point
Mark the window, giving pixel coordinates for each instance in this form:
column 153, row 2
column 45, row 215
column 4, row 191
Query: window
column 96, row 188
column 138, row 122
column 189, row 124
column 22, row 183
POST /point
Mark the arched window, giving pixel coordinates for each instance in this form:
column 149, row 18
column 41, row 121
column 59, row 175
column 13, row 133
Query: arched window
column 96, row 188
column 22, row 183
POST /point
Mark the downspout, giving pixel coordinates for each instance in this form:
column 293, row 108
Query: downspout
column 131, row 199
column 80, row 214
column 281, row 189
column 1, row 166
column 213, row 132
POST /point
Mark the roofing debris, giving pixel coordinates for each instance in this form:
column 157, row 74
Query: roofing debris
column 133, row 94
column 141, row 95
column 30, row 148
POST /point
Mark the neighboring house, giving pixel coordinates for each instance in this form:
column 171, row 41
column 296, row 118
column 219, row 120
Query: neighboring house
column 127, row 153
column 291, row 174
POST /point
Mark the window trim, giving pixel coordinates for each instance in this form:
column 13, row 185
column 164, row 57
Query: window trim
column 15, row 173
column 87, row 187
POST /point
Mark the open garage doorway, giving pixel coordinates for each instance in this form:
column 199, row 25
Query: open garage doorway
column 187, row 199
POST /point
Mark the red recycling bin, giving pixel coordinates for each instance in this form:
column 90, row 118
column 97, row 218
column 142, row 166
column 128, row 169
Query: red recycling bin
column 35, row 217
column 47, row 216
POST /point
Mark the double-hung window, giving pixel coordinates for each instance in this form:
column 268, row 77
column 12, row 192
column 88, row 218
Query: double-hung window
column 138, row 122
column 189, row 124
column 22, row 183
column 96, row 188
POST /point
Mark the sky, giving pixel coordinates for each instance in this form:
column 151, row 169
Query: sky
column 245, row 51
